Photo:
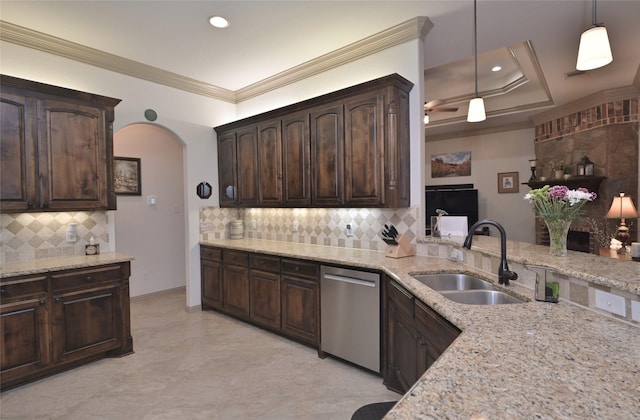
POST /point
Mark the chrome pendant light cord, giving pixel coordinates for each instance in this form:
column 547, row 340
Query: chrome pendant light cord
column 593, row 14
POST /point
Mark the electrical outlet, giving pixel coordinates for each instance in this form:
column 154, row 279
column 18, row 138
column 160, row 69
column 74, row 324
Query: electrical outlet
column 205, row 226
column 349, row 229
column 296, row 226
column 456, row 255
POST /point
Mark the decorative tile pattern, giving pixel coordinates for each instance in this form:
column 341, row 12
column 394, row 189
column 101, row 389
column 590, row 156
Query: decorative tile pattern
column 315, row 225
column 620, row 111
column 28, row 236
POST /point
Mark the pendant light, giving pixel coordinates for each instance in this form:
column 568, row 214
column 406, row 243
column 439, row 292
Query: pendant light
column 594, row 50
column 476, row 105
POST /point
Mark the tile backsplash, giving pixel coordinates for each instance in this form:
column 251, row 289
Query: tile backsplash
column 315, row 225
column 28, row 236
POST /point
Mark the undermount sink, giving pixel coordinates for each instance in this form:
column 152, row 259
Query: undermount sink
column 467, row 289
column 481, row 297
column 447, row 281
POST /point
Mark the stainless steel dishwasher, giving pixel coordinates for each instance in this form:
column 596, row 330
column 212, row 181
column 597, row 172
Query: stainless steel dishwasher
column 350, row 315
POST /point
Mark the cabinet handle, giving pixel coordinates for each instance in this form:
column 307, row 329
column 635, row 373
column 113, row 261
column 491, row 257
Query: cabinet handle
column 3, row 291
column 45, row 205
column 42, row 301
column 57, row 299
column 89, row 278
column 297, row 268
column 30, row 204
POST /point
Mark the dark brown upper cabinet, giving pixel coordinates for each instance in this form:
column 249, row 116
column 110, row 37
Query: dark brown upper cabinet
column 348, row 148
column 56, row 148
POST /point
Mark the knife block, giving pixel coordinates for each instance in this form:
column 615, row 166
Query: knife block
column 403, row 249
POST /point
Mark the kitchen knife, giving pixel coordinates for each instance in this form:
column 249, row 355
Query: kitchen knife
column 394, row 231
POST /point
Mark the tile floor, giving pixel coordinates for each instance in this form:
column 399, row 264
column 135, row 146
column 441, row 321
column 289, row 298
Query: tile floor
column 199, row 365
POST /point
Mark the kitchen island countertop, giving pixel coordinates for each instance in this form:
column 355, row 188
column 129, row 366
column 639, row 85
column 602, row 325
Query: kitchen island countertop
column 43, row 265
column 530, row 360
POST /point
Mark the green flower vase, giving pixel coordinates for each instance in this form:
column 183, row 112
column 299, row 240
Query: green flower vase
column 558, row 230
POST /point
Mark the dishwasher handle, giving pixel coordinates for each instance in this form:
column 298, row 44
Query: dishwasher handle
column 352, row 280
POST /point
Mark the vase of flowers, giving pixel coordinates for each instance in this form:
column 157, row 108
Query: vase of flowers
column 558, row 206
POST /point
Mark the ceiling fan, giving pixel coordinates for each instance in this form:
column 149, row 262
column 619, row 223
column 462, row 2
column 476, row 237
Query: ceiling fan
column 434, row 106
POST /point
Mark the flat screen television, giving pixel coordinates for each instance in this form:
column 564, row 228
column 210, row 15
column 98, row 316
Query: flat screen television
column 457, row 200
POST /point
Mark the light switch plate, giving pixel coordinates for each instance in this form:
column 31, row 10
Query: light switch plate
column 610, row 303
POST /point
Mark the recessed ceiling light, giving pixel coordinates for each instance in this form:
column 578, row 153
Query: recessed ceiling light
column 496, row 68
column 218, row 22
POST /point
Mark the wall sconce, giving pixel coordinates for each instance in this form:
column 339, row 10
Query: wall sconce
column 585, row 167
column 621, row 208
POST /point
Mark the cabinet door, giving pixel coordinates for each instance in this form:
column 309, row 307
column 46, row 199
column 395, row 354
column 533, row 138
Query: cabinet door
column 436, row 333
column 72, row 154
column 236, row 290
column 364, row 150
column 327, row 154
column 86, row 323
column 247, row 166
column 211, row 275
column 270, row 164
column 265, row 298
column 17, row 153
column 402, row 347
column 227, row 170
column 300, row 309
column 296, row 163
column 25, row 339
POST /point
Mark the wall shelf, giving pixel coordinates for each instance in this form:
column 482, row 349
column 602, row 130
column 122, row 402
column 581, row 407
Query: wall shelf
column 592, row 183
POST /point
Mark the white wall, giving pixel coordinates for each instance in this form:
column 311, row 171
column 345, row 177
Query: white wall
column 491, row 154
column 154, row 234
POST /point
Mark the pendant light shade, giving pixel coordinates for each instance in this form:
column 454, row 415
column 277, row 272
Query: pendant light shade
column 476, row 110
column 476, row 105
column 594, row 50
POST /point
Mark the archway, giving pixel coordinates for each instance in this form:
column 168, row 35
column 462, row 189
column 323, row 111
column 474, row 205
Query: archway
column 151, row 227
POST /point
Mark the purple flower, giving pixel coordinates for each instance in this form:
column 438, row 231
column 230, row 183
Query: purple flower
column 558, row 191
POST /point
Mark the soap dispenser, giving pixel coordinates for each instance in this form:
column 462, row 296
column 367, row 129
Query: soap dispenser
column 545, row 291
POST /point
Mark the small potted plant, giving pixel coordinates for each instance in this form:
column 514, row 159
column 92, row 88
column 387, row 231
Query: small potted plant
column 557, row 168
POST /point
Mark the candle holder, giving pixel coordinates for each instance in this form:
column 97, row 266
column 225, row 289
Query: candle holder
column 532, row 164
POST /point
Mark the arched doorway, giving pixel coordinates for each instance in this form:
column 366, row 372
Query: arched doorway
column 153, row 231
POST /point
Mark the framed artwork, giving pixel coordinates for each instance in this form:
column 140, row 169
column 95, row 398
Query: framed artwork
column 508, row 182
column 451, row 164
column 126, row 176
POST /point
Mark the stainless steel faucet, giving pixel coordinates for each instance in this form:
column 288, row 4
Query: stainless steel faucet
column 504, row 274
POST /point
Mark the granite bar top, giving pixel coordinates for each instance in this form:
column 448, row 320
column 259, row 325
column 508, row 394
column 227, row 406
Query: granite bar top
column 44, row 265
column 530, row 360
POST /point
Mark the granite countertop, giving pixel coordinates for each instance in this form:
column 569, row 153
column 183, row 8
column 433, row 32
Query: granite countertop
column 530, row 360
column 44, row 265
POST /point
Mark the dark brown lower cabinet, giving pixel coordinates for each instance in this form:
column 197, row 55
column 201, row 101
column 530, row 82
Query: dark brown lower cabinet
column 61, row 319
column 415, row 336
column 280, row 294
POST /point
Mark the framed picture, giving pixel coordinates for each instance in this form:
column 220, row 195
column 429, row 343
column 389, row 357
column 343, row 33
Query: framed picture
column 126, row 176
column 451, row 164
column 508, row 182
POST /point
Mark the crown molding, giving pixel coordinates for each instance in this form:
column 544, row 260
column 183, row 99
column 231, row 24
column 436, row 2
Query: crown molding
column 609, row 95
column 53, row 45
column 412, row 29
column 521, row 125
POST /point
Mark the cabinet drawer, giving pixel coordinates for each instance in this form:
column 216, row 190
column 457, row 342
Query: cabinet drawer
column 23, row 287
column 301, row 269
column 86, row 278
column 235, row 258
column 402, row 298
column 207, row 253
column 264, row 263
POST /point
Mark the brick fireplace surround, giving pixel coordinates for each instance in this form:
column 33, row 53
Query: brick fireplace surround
column 608, row 134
